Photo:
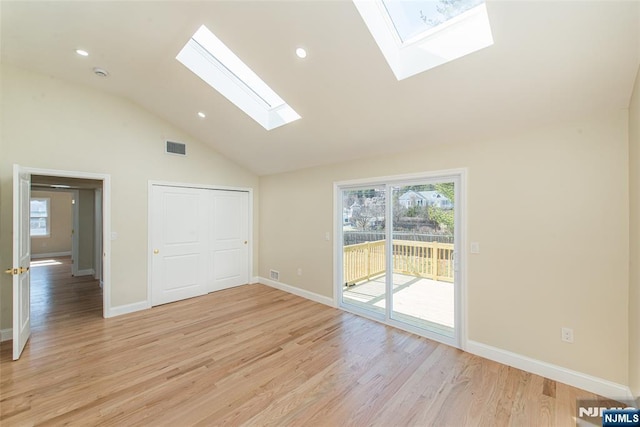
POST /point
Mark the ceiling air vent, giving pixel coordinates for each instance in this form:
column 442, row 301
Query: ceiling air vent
column 176, row 148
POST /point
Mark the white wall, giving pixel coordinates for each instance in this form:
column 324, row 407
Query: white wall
column 634, row 233
column 550, row 210
column 60, row 224
column 51, row 124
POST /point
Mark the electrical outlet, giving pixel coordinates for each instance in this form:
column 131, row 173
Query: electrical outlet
column 299, row 272
column 567, row 335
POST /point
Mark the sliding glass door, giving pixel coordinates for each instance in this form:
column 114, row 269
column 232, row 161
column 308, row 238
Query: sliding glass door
column 398, row 245
column 423, row 256
column 364, row 237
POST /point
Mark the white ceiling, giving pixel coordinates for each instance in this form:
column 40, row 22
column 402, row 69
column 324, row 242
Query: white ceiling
column 552, row 61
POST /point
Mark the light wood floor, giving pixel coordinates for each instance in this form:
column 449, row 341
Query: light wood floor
column 251, row 355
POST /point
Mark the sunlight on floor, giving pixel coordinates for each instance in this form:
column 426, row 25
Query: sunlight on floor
column 44, row 262
column 415, row 298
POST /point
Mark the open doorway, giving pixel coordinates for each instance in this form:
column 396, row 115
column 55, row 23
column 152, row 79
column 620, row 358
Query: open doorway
column 66, row 220
column 89, row 247
column 66, row 247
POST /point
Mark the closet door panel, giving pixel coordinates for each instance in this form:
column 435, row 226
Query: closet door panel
column 229, row 253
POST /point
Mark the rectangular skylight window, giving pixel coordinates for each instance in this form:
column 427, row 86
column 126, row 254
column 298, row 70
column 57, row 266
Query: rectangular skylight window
column 413, row 18
column 417, row 35
column 211, row 60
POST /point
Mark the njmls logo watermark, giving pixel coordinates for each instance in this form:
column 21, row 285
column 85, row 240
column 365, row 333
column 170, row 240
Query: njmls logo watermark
column 607, row 413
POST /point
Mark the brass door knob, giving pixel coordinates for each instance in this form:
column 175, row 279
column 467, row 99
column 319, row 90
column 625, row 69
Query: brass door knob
column 156, row 251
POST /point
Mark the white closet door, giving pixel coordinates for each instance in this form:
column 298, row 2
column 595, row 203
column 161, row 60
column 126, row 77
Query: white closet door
column 229, row 235
column 180, row 231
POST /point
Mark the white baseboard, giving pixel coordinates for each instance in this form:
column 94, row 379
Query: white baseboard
column 254, row 280
column 6, row 334
column 128, row 308
column 590, row 383
column 88, row 272
column 50, row 255
column 297, row 291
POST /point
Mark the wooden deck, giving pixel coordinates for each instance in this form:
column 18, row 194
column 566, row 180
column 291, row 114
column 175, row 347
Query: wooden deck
column 251, row 356
column 427, row 303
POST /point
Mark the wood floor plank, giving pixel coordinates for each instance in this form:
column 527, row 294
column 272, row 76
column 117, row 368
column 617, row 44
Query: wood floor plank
column 251, row 355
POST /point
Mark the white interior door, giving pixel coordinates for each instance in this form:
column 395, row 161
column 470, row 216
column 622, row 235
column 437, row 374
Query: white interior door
column 180, row 229
column 21, row 260
column 229, row 249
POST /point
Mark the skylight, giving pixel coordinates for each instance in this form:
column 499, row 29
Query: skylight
column 418, row 35
column 211, row 60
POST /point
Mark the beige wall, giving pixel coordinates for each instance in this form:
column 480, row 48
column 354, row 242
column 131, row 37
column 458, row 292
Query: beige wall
column 550, row 210
column 60, row 224
column 86, row 232
column 51, row 124
column 634, row 233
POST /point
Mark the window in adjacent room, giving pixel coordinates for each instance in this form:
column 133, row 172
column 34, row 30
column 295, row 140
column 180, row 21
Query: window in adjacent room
column 40, row 216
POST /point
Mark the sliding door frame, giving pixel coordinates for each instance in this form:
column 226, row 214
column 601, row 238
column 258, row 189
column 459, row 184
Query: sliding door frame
column 459, row 176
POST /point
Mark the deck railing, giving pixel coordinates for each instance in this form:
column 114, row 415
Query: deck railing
column 431, row 260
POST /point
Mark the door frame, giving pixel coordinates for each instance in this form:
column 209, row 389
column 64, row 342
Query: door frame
column 75, row 215
column 106, row 222
column 460, row 337
column 150, row 185
column 97, row 199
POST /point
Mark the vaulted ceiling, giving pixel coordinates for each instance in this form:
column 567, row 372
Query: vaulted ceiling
column 551, row 61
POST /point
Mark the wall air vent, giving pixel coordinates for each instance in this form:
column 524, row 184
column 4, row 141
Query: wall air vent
column 177, row 148
column 274, row 275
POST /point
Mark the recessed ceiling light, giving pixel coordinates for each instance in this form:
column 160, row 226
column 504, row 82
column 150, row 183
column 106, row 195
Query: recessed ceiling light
column 100, row 72
column 301, row 52
column 82, row 52
column 201, row 114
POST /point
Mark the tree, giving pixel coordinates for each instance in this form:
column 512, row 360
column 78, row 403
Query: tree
column 447, row 189
column 367, row 215
column 448, row 9
column 361, row 220
column 399, row 211
column 452, row 8
column 413, row 211
column 443, row 219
